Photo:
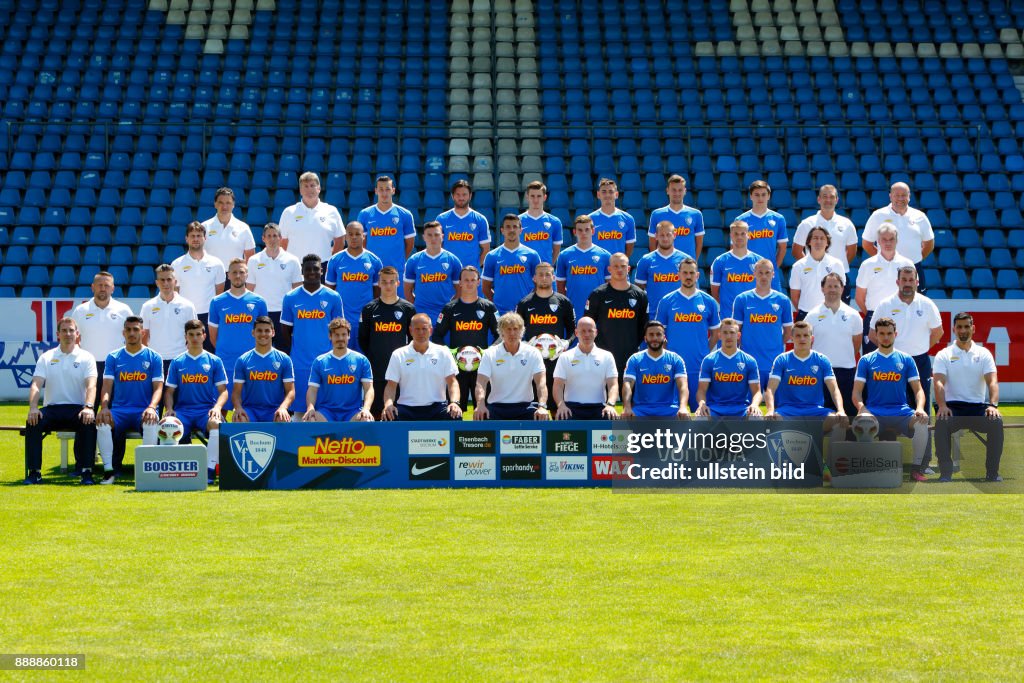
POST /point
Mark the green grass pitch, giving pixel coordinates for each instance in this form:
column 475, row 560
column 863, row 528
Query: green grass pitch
column 527, row 585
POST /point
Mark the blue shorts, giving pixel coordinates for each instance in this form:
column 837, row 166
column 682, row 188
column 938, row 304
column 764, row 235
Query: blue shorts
column 727, row 411
column 127, row 418
column 260, row 415
column 659, row 410
column 808, row 411
column 194, row 421
column 333, row 415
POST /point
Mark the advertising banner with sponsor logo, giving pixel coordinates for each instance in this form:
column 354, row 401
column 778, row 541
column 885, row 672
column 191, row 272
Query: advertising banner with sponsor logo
column 765, row 454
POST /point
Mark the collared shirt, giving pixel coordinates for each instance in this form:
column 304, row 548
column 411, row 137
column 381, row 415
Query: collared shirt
column 913, row 228
column 229, row 241
column 198, row 278
column 311, row 231
column 878, row 277
column 165, row 321
column 64, row 375
column 101, row 328
column 841, row 228
column 511, row 374
column 421, row 377
column 585, row 374
column 806, row 275
column 914, row 322
column 833, row 333
column 965, row 372
column 274, row 277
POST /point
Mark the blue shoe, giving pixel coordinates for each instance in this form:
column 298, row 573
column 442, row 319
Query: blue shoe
column 211, row 475
column 34, row 477
column 995, row 478
column 87, row 479
column 944, row 480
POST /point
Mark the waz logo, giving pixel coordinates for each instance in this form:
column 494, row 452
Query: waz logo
column 792, row 445
column 252, row 452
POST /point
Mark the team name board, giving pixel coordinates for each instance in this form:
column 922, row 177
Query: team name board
column 335, row 455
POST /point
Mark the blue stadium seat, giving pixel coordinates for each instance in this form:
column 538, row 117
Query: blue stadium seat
column 955, row 278
column 982, row 278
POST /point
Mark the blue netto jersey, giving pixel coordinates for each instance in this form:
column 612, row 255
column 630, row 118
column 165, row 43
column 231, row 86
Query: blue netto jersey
column 511, row 272
column 654, row 391
column 659, row 274
column 263, row 379
column 730, row 378
column 233, row 317
column 433, row 279
column 763, row 320
column 612, row 233
column 133, row 376
column 688, row 221
column 340, row 381
column 463, row 235
column 582, row 272
column 309, row 314
column 886, row 379
column 387, row 233
column 733, row 275
column 541, row 234
column 197, row 380
column 765, row 234
column 801, row 389
column 688, row 322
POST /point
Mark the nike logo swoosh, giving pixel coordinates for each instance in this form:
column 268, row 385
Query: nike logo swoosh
column 531, row 309
column 417, row 470
column 376, row 315
column 607, row 301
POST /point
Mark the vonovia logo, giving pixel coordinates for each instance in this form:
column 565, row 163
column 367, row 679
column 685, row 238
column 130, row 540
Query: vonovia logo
column 252, row 452
column 790, row 444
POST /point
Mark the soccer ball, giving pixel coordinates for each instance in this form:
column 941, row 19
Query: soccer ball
column 468, row 358
column 549, row 345
column 169, row 431
column 865, row 427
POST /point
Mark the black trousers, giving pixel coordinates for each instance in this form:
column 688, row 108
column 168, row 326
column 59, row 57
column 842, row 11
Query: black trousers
column 431, row 412
column 513, row 411
column 844, row 378
column 585, row 411
column 969, row 416
column 867, row 346
column 63, row 418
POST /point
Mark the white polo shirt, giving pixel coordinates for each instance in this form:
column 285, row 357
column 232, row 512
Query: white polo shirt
column 229, row 241
column 585, row 374
column 311, row 231
column 913, row 228
column 511, row 374
column 64, row 375
column 806, row 276
column 198, row 279
column 274, row 277
column 878, row 277
column 834, row 332
column 166, row 324
column 102, row 329
column 914, row 322
column 421, row 377
column 965, row 372
column 840, row 228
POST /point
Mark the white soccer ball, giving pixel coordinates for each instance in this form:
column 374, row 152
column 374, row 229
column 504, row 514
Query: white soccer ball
column 549, row 345
column 468, row 358
column 865, row 427
column 169, row 431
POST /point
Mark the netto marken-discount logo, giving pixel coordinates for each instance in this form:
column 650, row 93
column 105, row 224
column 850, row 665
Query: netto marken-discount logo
column 347, row 452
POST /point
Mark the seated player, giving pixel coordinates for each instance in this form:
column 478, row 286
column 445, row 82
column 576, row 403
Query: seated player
column 341, row 381
column 885, row 373
column 796, row 380
column 202, row 395
column 730, row 385
column 264, row 385
column 654, row 384
column 133, row 380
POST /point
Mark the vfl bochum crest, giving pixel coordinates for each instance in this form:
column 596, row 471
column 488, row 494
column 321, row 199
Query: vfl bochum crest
column 790, row 444
column 252, row 452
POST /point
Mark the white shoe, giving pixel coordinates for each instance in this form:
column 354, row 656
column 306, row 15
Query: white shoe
column 108, row 478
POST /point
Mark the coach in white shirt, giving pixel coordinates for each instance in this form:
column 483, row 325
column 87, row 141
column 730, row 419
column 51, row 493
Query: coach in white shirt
column 200, row 275
column 100, row 320
column 164, row 317
column 838, row 331
column 511, row 367
column 311, row 226
column 917, row 239
column 228, row 237
column 840, row 229
column 67, row 374
column 806, row 274
column 586, row 383
column 422, row 371
column 964, row 371
column 877, row 279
